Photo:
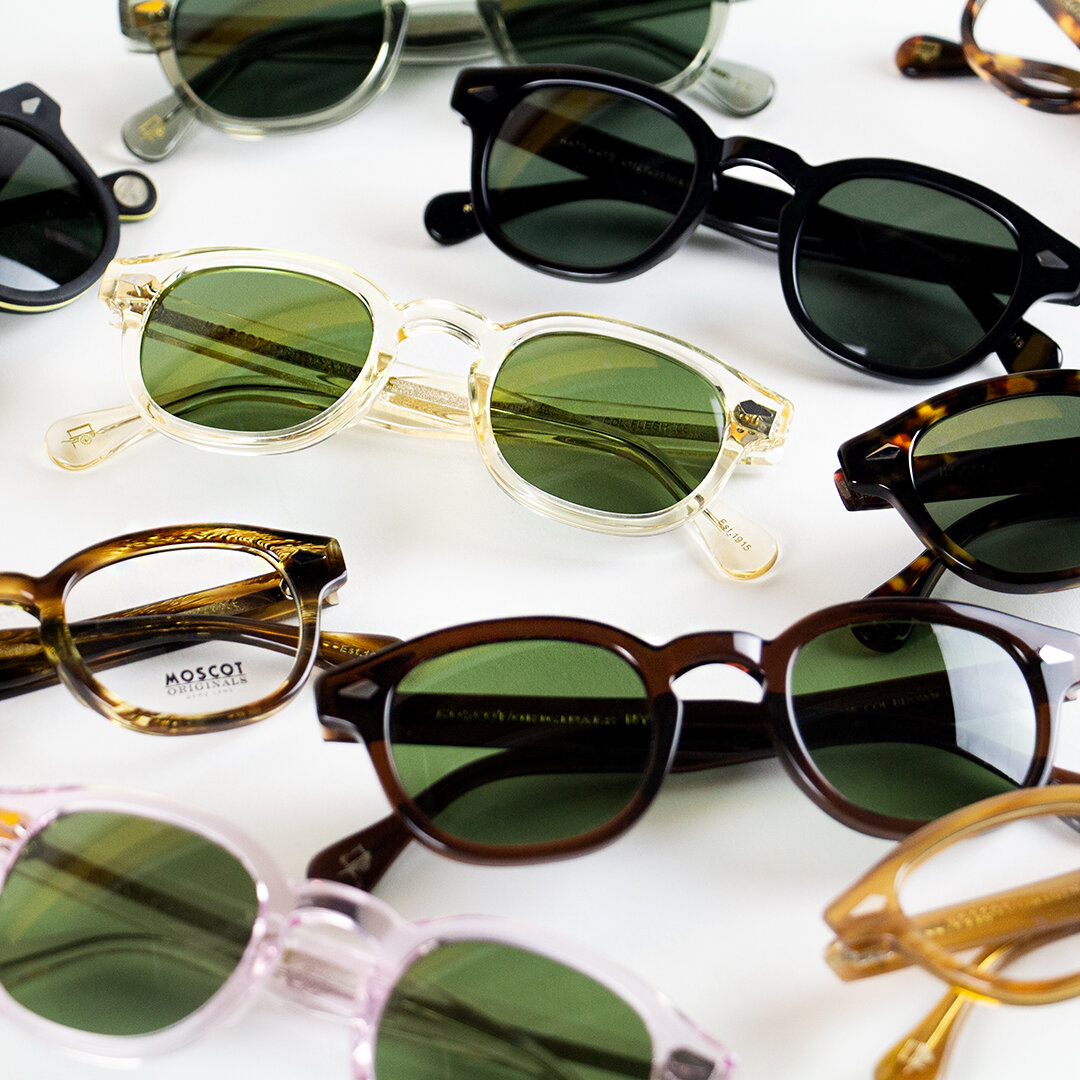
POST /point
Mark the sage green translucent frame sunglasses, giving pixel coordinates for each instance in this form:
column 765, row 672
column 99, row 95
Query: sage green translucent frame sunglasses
column 261, row 67
column 592, row 421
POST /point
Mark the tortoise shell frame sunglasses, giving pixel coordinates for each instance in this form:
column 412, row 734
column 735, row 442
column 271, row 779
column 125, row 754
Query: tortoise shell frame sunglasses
column 982, row 475
column 850, row 695
column 1037, row 84
column 302, row 574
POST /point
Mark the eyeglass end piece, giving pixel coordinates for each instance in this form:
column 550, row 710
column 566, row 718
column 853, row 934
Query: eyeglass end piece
column 86, row 439
column 736, row 545
column 1028, row 349
column 133, row 192
column 925, row 57
column 736, row 89
column 155, row 132
column 450, row 218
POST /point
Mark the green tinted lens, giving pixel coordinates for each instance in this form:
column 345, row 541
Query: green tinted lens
column 586, row 178
column 912, row 719
column 252, row 349
column 654, row 40
column 51, row 228
column 478, row 1010
column 999, row 481
column 265, row 59
column 121, row 925
column 521, row 742
column 605, row 424
column 903, row 275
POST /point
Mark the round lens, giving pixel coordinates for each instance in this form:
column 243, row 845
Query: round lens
column 585, row 178
column 190, row 631
column 605, row 424
column 903, row 276
column 479, row 1008
column 995, row 479
column 121, row 925
column 641, row 38
column 51, row 225
column 912, row 719
column 521, row 742
column 252, row 349
column 269, row 59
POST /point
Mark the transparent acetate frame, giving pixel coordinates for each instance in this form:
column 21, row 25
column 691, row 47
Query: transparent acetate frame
column 332, row 949
column 303, row 573
column 966, row 945
column 458, row 32
column 756, row 422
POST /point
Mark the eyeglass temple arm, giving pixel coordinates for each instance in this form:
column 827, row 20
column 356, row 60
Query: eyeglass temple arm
column 866, row 942
column 924, row 1051
column 138, row 633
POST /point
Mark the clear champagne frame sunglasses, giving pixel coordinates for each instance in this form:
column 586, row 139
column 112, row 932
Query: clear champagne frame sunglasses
column 346, row 55
column 645, row 428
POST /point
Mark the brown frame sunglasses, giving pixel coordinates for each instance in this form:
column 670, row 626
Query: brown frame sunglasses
column 591, row 733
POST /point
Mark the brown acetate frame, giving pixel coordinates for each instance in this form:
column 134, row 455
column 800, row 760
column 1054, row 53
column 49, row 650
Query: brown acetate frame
column 303, row 573
column 874, row 935
column 1025, row 81
column 876, row 472
column 353, row 702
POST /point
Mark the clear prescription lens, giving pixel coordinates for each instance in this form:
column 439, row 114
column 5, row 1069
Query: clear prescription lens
column 642, row 38
column 521, row 742
column 587, row 179
column 481, row 1008
column 122, row 925
column 51, row 225
column 188, row 631
column 268, row 59
column 998, row 481
column 253, row 349
column 605, row 424
column 901, row 275
column 912, row 719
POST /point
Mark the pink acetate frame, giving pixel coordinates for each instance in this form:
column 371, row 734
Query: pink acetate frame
column 332, row 949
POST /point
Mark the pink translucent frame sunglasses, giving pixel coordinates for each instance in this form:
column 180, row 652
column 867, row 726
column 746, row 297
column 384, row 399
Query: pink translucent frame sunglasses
column 328, row 947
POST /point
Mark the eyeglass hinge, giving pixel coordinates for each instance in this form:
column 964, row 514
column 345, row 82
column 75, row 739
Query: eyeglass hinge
column 128, row 296
column 12, row 825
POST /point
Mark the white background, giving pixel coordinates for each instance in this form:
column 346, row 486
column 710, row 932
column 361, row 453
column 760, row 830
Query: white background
column 716, row 895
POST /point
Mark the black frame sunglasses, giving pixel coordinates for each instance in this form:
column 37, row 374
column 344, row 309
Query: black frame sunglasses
column 65, row 217
column 914, row 247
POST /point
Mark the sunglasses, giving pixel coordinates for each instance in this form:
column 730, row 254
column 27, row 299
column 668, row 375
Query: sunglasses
column 897, row 268
column 59, row 223
column 989, row 887
column 180, row 630
column 1038, row 84
column 520, row 740
column 128, row 926
column 982, row 475
column 591, row 421
column 255, row 67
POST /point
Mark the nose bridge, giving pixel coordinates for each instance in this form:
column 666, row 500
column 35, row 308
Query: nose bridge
column 733, row 647
column 444, row 317
column 330, row 947
column 779, row 160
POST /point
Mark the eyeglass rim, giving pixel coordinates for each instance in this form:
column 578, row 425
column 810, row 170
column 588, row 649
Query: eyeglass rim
column 895, row 485
column 43, row 127
column 398, row 942
column 346, row 718
column 311, row 567
column 485, row 114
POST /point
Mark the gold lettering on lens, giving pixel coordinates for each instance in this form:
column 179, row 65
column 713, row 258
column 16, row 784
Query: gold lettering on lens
column 513, row 716
column 641, row 168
